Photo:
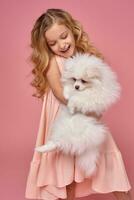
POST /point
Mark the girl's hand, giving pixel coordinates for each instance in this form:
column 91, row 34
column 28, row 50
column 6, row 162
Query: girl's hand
column 93, row 114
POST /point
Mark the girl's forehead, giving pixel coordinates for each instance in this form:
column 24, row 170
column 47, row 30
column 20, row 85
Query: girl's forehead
column 55, row 31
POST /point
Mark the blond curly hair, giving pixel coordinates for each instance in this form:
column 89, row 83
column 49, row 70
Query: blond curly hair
column 41, row 53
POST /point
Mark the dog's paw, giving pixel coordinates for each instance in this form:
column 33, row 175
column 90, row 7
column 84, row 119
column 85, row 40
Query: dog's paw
column 84, row 110
column 68, row 91
column 75, row 104
column 72, row 110
column 71, row 107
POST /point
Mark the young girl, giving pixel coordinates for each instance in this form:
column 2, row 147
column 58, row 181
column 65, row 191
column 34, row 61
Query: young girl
column 53, row 175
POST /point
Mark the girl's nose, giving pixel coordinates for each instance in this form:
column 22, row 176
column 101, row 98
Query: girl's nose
column 62, row 46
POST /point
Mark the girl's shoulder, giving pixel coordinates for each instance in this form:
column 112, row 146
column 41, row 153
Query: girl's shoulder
column 57, row 62
column 53, row 76
column 54, row 60
column 52, row 66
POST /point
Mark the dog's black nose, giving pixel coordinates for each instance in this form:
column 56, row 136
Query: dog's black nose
column 77, row 87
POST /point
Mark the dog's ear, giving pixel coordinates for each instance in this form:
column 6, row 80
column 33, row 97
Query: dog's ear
column 93, row 73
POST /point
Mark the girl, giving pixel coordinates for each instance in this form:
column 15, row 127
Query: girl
column 55, row 37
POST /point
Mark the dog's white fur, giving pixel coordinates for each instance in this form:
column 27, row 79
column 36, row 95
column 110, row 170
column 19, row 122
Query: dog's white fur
column 73, row 132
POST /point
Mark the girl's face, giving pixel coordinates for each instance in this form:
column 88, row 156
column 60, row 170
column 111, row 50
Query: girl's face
column 60, row 40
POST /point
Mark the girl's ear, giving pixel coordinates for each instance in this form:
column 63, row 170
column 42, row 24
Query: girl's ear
column 93, row 73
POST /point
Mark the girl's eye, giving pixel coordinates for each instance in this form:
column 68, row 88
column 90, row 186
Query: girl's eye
column 74, row 79
column 52, row 44
column 64, row 37
column 83, row 81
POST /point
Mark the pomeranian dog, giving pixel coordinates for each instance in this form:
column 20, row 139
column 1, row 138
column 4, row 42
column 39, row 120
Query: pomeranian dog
column 90, row 86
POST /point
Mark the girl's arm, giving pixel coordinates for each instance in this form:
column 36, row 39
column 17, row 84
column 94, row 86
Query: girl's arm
column 53, row 76
column 98, row 117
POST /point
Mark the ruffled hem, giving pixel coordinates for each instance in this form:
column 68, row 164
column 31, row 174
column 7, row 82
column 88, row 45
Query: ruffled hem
column 51, row 172
column 111, row 176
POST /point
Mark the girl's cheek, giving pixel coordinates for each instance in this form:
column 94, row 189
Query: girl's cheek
column 71, row 41
column 54, row 48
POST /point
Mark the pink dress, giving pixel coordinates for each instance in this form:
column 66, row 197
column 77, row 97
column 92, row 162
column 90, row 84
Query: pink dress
column 51, row 172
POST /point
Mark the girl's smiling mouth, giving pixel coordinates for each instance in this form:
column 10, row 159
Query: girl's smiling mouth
column 64, row 51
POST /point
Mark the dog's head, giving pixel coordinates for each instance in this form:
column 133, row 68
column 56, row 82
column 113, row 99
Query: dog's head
column 82, row 71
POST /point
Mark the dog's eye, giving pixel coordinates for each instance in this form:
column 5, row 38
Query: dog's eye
column 74, row 79
column 83, row 81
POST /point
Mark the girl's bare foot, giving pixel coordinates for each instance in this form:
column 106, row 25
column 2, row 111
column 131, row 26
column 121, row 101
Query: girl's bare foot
column 71, row 191
column 122, row 195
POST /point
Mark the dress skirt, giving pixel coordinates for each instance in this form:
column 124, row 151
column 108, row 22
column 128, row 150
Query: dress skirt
column 51, row 172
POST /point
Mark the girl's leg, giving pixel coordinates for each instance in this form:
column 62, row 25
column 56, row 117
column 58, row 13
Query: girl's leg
column 71, row 191
column 122, row 195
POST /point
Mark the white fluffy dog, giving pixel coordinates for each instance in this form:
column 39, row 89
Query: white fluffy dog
column 90, row 86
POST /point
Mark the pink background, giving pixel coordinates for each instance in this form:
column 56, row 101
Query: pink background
column 111, row 27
